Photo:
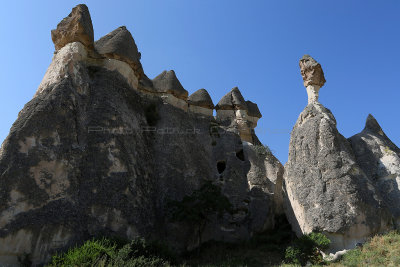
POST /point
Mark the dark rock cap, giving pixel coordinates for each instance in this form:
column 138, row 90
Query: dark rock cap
column 252, row 109
column 119, row 44
column 311, row 71
column 232, row 100
column 201, row 98
column 77, row 27
column 169, row 83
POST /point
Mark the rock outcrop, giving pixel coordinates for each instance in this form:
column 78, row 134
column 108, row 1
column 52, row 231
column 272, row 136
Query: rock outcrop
column 201, row 102
column 233, row 109
column 327, row 191
column 313, row 77
column 379, row 158
column 77, row 27
column 101, row 150
column 119, row 44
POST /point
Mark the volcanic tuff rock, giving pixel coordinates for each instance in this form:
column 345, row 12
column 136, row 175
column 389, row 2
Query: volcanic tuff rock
column 379, row 158
column 99, row 151
column 119, row 44
column 201, row 98
column 326, row 189
column 168, row 82
column 313, row 77
column 77, row 27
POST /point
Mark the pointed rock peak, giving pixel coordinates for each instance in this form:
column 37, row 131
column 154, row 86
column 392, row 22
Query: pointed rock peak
column 77, row 27
column 201, row 98
column 168, row 82
column 119, row 44
column 232, row 100
column 311, row 71
column 252, row 109
column 372, row 124
column 237, row 99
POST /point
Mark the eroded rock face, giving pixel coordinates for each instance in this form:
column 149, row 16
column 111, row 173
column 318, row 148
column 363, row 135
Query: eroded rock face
column 119, row 44
column 167, row 82
column 77, row 27
column 327, row 190
column 379, row 158
column 99, row 151
column 75, row 165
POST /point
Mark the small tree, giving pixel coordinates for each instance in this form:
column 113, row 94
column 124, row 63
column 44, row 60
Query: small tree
column 197, row 208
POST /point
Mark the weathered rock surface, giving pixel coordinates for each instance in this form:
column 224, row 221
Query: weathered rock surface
column 167, row 82
column 201, row 98
column 99, row 152
column 379, row 158
column 327, row 190
column 119, row 44
column 252, row 109
column 77, row 27
column 313, row 77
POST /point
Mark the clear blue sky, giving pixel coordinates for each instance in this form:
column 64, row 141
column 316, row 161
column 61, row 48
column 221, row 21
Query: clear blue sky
column 219, row 44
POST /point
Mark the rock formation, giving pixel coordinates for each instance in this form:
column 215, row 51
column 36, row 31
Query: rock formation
column 201, row 102
column 101, row 149
column 234, row 110
column 379, row 158
column 327, row 190
column 77, row 27
column 313, row 77
column 119, row 44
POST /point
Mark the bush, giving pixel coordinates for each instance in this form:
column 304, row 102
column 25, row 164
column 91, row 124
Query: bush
column 306, row 248
column 106, row 253
column 88, row 254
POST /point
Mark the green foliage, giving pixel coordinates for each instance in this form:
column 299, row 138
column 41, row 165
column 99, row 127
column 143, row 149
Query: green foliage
column 151, row 114
column 381, row 250
column 89, row 253
column 106, row 253
column 200, row 205
column 306, row 248
column 197, row 208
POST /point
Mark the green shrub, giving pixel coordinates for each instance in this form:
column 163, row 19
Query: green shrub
column 197, row 208
column 306, row 248
column 106, row 253
column 89, row 253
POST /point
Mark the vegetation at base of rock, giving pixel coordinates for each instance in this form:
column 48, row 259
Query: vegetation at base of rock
column 381, row 250
column 104, row 252
column 307, row 249
column 196, row 209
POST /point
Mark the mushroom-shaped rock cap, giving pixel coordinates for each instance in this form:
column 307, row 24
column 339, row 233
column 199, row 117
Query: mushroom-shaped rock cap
column 167, row 82
column 232, row 100
column 119, row 44
column 252, row 109
column 77, row 27
column 311, row 71
column 201, row 98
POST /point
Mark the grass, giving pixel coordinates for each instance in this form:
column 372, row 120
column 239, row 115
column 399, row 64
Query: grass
column 381, row 250
column 265, row 249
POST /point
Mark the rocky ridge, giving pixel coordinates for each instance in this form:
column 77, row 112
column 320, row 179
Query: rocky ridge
column 101, row 149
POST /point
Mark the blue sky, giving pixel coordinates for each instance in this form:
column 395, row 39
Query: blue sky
column 219, row 44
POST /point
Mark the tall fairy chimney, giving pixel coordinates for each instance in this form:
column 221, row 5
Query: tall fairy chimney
column 313, row 77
